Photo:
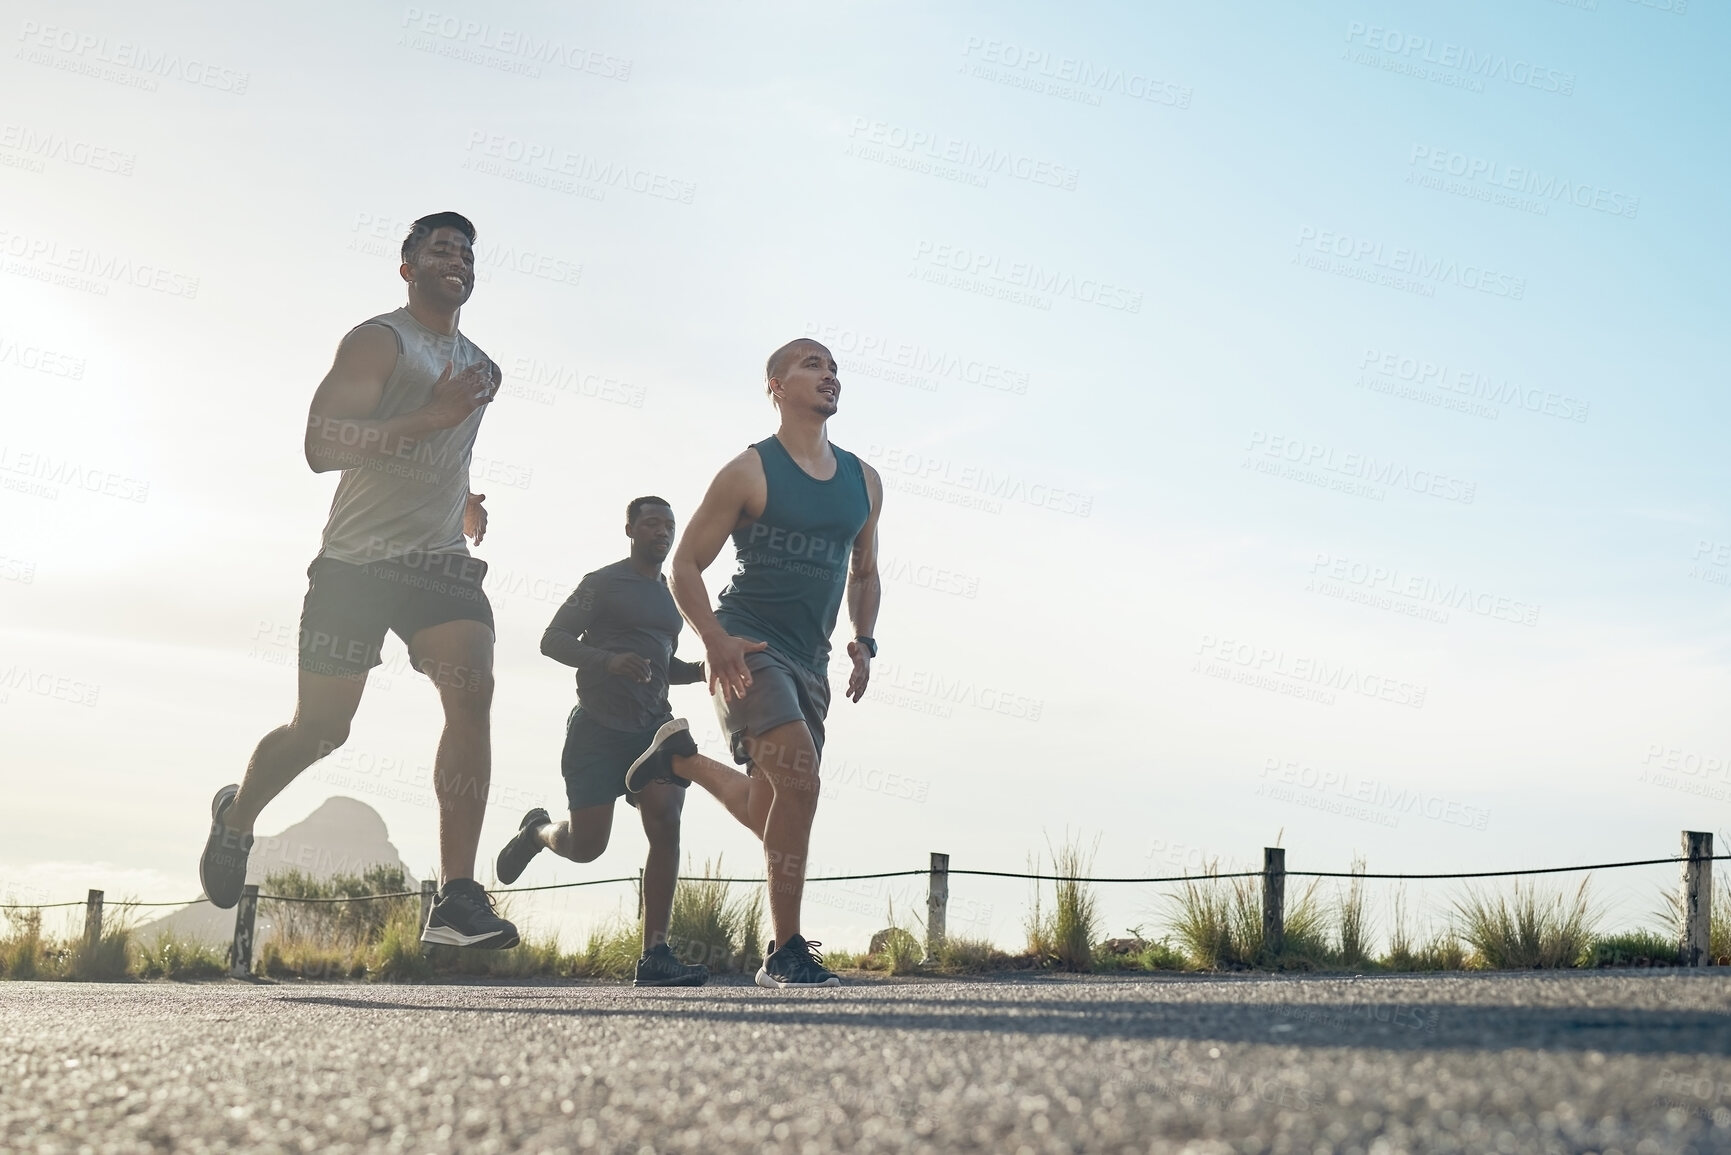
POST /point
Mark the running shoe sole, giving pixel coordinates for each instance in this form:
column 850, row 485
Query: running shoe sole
column 450, row 936
column 765, row 979
column 635, row 782
column 222, row 801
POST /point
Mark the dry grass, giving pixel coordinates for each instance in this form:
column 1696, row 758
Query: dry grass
column 713, row 927
column 1218, row 924
column 1064, row 936
column 1529, row 930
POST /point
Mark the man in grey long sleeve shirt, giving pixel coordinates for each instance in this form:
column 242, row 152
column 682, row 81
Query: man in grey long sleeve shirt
column 619, row 629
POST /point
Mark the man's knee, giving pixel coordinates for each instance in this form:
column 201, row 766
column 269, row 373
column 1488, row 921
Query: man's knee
column 465, row 693
column 320, row 736
column 661, row 827
column 583, row 849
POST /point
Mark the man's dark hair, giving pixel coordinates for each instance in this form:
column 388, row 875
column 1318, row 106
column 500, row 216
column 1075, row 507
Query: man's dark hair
column 782, row 360
column 637, row 504
column 426, row 226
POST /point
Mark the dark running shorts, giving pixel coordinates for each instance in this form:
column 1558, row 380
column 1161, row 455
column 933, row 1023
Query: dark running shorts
column 596, row 758
column 349, row 607
column 782, row 691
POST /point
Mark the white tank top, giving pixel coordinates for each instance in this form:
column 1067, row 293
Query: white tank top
column 412, row 503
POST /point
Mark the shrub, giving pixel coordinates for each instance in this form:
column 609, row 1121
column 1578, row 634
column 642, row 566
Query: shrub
column 1641, row 948
column 1065, row 937
column 1529, row 930
column 167, row 957
column 711, row 926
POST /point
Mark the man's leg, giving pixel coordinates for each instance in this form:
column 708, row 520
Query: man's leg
column 659, row 805
column 583, row 836
column 325, row 705
column 785, row 760
column 458, row 657
column 730, row 787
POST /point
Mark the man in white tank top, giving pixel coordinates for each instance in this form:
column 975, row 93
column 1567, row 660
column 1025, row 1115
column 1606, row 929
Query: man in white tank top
column 397, row 414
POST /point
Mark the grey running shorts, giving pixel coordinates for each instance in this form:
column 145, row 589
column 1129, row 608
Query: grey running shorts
column 782, row 691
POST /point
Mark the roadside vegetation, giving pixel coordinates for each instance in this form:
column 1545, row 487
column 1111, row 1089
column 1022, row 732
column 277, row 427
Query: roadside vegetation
column 337, row 929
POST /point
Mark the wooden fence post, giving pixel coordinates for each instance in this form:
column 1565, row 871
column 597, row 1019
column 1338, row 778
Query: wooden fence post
column 93, row 918
column 1697, row 899
column 1273, row 900
column 245, row 920
column 429, row 892
column 937, row 905
column 640, row 895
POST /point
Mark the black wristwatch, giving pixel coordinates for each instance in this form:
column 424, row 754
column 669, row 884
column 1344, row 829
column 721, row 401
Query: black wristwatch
column 870, row 644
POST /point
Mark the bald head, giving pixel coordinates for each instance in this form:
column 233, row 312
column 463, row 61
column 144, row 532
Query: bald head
column 783, row 358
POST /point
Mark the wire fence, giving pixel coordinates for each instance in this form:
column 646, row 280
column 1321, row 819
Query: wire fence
column 1031, row 876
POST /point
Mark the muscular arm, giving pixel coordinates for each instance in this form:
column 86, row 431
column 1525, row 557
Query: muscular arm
column 736, row 496
column 563, row 639
column 727, row 505
column 341, row 432
column 864, row 590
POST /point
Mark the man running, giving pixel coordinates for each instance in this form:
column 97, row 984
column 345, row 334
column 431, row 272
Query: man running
column 619, row 629
column 803, row 515
column 397, row 414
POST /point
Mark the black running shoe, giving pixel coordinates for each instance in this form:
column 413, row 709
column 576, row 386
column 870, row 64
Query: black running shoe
column 524, row 845
column 656, row 763
column 222, row 868
column 463, row 915
column 658, row 968
column 797, row 964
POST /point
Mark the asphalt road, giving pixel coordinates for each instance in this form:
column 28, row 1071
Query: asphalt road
column 1636, row 1062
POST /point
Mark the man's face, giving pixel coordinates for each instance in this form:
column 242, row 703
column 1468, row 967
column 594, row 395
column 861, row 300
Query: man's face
column 810, row 382
column 652, row 533
column 443, row 268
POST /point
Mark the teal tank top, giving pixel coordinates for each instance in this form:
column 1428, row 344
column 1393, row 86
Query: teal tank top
column 792, row 562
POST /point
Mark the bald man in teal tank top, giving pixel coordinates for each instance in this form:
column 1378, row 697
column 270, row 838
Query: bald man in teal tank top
column 803, row 516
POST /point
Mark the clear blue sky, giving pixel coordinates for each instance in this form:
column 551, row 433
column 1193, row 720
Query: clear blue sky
column 1297, row 418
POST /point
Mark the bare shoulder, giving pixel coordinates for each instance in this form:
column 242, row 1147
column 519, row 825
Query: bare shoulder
column 873, row 481
column 369, row 346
